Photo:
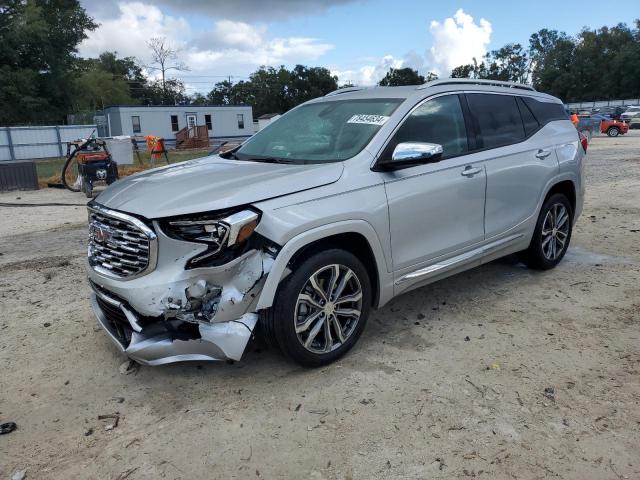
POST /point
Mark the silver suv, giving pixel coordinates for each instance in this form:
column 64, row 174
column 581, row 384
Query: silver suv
column 337, row 207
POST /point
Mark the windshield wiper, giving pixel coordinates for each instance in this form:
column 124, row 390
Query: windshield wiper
column 269, row 160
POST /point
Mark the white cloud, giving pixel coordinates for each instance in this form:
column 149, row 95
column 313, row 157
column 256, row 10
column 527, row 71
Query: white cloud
column 230, row 34
column 368, row 75
column 228, row 48
column 128, row 33
column 457, row 40
column 241, row 45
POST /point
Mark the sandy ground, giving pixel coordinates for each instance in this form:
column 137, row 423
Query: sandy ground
column 447, row 381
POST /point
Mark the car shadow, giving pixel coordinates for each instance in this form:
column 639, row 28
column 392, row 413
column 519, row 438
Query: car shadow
column 419, row 306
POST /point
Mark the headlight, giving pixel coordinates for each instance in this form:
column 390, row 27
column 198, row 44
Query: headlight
column 220, row 232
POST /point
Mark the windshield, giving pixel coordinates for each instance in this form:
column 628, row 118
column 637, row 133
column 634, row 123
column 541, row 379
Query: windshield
column 320, row 132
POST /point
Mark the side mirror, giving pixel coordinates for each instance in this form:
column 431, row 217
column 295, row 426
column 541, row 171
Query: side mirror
column 407, row 154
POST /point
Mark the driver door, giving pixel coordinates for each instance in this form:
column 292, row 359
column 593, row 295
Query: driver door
column 436, row 210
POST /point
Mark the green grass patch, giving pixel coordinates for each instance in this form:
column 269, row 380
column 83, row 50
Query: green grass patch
column 53, row 167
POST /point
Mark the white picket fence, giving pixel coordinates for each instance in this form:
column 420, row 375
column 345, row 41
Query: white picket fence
column 30, row 143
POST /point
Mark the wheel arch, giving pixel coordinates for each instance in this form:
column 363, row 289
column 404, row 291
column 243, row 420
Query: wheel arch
column 566, row 188
column 357, row 237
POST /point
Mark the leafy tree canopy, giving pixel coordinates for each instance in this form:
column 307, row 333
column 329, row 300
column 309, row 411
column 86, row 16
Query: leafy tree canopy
column 38, row 41
column 397, row 77
column 275, row 90
column 596, row 64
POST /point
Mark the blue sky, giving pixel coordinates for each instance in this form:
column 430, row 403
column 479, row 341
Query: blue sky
column 356, row 39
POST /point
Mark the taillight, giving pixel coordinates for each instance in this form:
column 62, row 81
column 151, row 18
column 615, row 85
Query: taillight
column 583, row 141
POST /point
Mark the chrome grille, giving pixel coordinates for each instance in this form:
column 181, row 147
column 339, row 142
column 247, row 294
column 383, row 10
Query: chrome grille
column 120, row 245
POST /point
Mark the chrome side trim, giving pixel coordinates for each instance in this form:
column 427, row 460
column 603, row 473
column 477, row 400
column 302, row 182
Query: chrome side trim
column 148, row 232
column 458, row 259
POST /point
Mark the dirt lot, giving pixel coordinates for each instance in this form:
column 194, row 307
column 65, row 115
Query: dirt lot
column 447, row 381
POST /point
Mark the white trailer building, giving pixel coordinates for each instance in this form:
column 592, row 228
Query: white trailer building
column 222, row 121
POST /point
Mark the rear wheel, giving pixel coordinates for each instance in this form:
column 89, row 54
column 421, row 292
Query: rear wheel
column 613, row 131
column 552, row 234
column 321, row 309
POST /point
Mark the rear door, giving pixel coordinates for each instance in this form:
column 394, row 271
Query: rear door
column 518, row 158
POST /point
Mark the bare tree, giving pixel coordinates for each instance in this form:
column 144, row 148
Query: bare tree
column 163, row 59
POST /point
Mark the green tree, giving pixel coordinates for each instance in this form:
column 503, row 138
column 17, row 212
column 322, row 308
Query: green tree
column 38, row 42
column 221, row 94
column 396, row 77
column 552, row 55
column 107, row 80
column 169, row 92
column 306, row 83
column 96, row 89
column 275, row 90
column 198, row 99
column 510, row 63
column 463, row 71
column 598, row 64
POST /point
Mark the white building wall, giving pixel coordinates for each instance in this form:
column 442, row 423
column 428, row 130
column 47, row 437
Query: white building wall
column 156, row 120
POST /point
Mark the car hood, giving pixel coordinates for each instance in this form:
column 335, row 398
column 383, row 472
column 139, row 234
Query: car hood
column 212, row 183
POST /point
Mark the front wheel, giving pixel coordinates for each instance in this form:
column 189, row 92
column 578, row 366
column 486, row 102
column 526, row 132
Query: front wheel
column 321, row 309
column 552, row 234
column 613, row 132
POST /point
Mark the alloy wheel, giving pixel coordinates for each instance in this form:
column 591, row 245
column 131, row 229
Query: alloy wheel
column 555, row 231
column 328, row 308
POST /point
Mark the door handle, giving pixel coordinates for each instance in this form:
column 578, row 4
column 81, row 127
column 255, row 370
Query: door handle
column 470, row 171
column 542, row 154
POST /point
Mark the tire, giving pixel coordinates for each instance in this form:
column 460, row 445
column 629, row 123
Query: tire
column 298, row 304
column 613, row 131
column 540, row 255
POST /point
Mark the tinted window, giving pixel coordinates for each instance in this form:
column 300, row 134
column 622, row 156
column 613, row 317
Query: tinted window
column 546, row 112
column 174, row 123
column 240, row 120
column 497, row 118
column 439, row 121
column 207, row 120
column 528, row 120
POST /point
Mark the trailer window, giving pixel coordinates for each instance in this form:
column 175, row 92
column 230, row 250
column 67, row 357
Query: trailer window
column 135, row 122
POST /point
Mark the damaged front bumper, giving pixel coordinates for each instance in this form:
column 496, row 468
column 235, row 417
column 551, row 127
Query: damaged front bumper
column 160, row 343
column 174, row 314
column 164, row 343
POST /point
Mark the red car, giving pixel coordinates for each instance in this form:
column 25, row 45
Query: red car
column 613, row 128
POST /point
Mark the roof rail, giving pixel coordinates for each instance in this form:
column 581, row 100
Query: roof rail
column 476, row 81
column 344, row 90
